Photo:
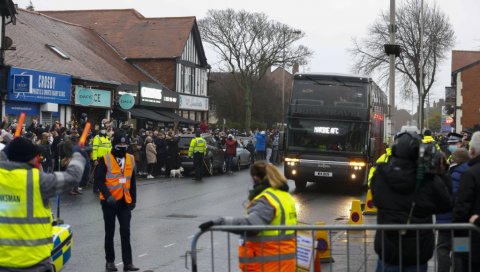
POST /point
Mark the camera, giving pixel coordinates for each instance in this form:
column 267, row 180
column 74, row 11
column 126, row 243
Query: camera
column 428, row 157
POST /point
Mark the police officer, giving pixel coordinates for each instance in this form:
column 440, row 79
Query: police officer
column 101, row 146
column 382, row 159
column 115, row 175
column 198, row 148
column 26, row 229
column 427, row 138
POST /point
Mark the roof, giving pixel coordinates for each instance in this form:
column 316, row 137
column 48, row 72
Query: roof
column 462, row 58
column 90, row 57
column 135, row 36
column 330, row 75
column 473, row 64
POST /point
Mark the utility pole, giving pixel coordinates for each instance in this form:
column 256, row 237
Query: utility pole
column 393, row 51
column 420, row 99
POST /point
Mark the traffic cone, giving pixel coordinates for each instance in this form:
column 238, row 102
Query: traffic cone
column 322, row 249
column 355, row 213
column 370, row 209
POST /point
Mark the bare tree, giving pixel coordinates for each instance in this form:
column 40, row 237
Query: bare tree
column 438, row 39
column 30, row 6
column 249, row 44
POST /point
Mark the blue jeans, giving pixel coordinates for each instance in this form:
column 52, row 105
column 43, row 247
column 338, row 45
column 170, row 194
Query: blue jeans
column 385, row 267
column 229, row 161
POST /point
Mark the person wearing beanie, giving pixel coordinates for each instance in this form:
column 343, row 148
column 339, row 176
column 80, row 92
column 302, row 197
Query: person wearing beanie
column 22, row 185
column 427, row 139
column 115, row 174
column 395, row 192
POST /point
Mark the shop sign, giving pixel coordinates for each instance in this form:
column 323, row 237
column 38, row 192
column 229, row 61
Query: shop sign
column 157, row 96
column 38, row 86
column 126, row 101
column 13, row 108
column 92, row 97
column 188, row 102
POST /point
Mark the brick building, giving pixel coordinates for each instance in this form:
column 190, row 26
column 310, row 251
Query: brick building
column 466, row 83
column 169, row 50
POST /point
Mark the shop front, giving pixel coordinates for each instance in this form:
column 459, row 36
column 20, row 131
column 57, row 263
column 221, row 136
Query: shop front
column 41, row 95
column 95, row 103
column 193, row 107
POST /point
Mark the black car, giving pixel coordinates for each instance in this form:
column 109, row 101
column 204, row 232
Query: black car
column 214, row 160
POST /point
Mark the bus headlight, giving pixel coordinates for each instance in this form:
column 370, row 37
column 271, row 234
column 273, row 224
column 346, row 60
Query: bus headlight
column 353, row 176
column 357, row 165
column 294, row 172
column 291, row 161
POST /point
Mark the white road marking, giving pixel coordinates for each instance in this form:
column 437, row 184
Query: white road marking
column 168, row 245
column 190, row 237
column 142, row 255
column 119, row 263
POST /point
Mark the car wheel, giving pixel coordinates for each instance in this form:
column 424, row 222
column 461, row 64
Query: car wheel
column 209, row 167
column 300, row 185
column 223, row 169
column 239, row 167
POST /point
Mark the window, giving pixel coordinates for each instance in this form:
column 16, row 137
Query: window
column 58, row 51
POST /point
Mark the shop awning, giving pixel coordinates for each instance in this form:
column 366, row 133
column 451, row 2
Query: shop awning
column 148, row 114
column 174, row 116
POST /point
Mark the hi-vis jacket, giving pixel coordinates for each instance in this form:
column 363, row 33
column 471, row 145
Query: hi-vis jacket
column 197, row 144
column 101, row 146
column 271, row 250
column 382, row 159
column 25, row 216
column 429, row 139
column 118, row 182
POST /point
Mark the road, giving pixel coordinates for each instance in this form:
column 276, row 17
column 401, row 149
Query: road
column 169, row 211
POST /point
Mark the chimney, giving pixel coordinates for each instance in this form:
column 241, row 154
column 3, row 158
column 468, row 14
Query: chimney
column 295, row 69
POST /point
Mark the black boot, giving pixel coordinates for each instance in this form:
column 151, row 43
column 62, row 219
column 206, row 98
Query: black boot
column 130, row 267
column 111, row 267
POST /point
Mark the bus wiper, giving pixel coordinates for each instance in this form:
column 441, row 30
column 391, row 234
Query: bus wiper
column 318, row 82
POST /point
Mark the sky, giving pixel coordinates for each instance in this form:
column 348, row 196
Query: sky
column 330, row 25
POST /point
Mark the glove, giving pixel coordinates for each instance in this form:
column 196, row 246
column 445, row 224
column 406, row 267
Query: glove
column 132, row 206
column 112, row 201
column 81, row 150
column 205, row 226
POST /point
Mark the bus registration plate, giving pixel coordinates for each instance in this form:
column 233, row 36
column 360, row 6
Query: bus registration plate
column 323, row 174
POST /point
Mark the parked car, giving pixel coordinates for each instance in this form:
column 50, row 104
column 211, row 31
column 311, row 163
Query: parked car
column 214, row 160
column 243, row 157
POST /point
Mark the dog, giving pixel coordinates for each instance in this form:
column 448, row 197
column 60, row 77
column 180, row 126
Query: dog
column 176, row 172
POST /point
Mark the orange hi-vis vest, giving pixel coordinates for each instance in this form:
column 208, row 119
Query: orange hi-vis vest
column 272, row 250
column 118, row 182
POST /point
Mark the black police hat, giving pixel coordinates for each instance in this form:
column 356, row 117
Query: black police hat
column 454, row 137
column 120, row 137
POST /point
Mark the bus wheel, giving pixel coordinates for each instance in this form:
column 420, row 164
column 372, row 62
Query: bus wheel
column 300, row 185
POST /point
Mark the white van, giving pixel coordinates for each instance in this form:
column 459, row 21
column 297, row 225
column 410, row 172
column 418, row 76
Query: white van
column 410, row 129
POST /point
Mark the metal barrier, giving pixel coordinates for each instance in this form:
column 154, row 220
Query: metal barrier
column 349, row 245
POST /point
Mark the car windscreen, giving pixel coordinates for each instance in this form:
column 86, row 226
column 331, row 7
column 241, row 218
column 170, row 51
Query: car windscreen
column 327, row 136
column 184, row 142
column 330, row 93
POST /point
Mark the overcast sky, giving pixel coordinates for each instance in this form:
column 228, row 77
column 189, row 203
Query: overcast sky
column 329, row 25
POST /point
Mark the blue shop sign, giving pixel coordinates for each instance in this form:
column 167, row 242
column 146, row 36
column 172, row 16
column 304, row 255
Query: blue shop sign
column 38, row 86
column 13, row 108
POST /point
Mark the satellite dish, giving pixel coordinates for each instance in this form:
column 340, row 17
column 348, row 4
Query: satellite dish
column 7, row 43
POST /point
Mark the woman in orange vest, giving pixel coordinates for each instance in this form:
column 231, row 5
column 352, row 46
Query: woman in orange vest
column 270, row 204
column 118, row 195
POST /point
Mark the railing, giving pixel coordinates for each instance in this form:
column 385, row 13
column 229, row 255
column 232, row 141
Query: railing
column 350, row 245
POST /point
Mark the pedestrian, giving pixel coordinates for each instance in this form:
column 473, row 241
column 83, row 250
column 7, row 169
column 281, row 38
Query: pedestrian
column 161, row 145
column 269, row 147
column 198, row 150
column 173, row 153
column 101, row 146
column 275, row 151
column 230, row 152
column 26, row 191
column 115, row 173
column 270, row 203
column 401, row 198
column 458, row 165
column 260, row 145
column 467, row 202
column 251, row 148
column 151, row 157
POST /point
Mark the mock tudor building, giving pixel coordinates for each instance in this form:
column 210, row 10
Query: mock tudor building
column 168, row 49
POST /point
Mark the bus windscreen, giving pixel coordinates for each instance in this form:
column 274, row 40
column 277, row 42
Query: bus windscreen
column 327, row 136
column 330, row 93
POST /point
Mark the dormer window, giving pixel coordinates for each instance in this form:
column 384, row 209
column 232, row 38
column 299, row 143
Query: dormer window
column 58, row 51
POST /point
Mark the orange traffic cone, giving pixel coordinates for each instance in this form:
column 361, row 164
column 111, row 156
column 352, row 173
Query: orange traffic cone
column 322, row 249
column 370, row 209
column 356, row 213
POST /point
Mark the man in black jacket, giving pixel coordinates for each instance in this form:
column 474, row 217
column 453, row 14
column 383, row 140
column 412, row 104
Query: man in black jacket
column 395, row 187
column 467, row 202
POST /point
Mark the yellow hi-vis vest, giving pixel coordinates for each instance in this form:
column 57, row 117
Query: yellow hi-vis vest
column 382, row 159
column 272, row 250
column 197, row 144
column 25, row 223
column 101, row 146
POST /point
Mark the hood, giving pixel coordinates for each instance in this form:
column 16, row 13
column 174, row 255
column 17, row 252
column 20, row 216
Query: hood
column 399, row 174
